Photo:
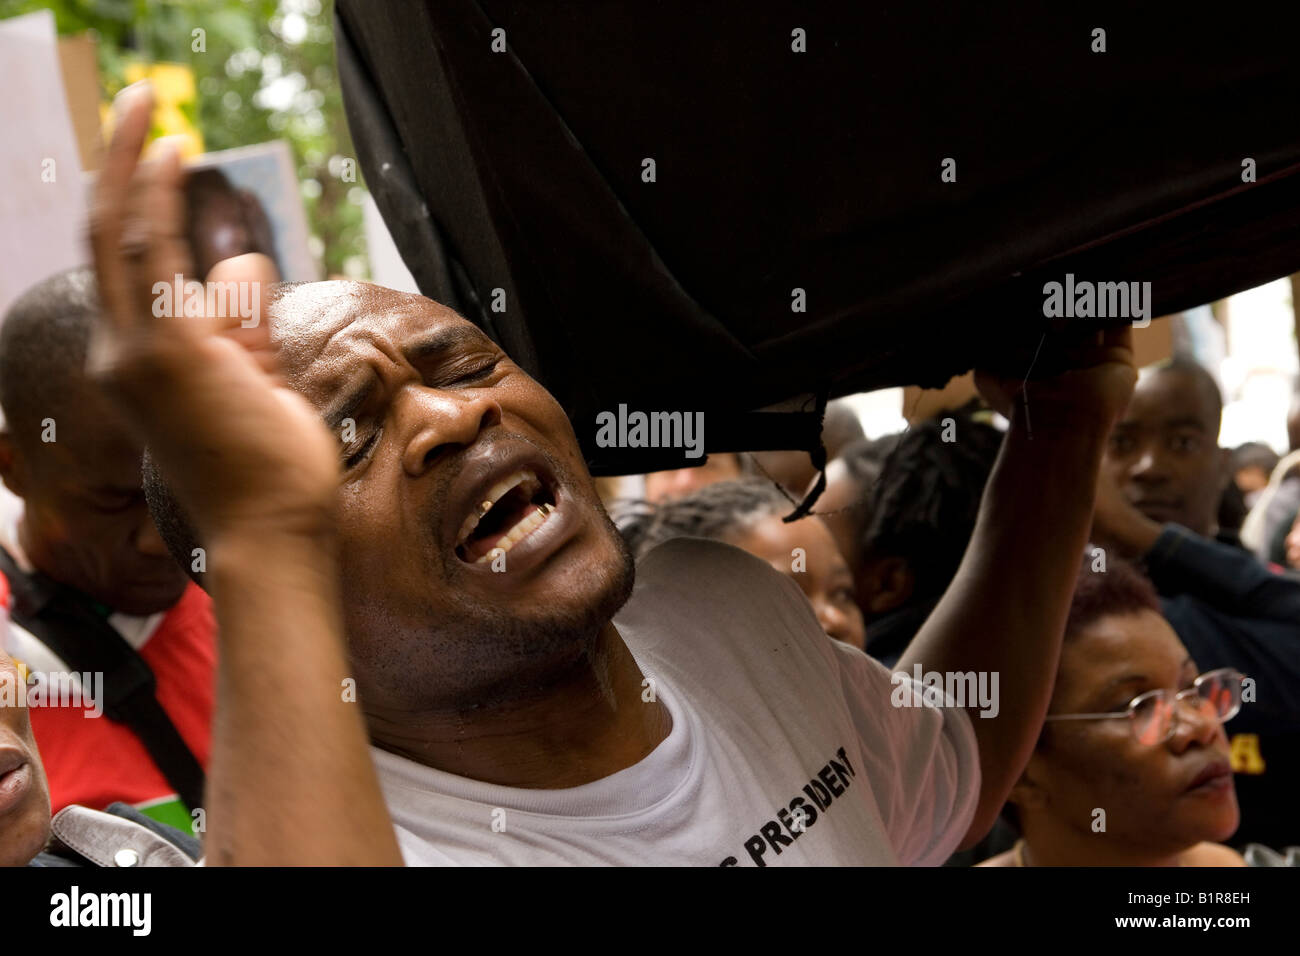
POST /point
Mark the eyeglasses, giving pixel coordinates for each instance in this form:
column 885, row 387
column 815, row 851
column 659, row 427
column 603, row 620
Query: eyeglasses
column 1154, row 718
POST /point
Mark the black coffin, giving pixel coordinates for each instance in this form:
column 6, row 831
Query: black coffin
column 774, row 170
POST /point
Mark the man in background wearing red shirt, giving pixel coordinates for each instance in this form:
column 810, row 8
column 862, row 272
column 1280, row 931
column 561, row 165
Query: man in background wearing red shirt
column 95, row 589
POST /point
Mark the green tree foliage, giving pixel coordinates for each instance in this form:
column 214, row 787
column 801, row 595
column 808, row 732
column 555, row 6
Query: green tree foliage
column 266, row 71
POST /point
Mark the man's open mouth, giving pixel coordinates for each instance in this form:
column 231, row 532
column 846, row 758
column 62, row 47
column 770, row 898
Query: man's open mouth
column 511, row 510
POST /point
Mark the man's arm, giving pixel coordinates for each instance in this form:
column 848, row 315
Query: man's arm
column 290, row 779
column 1228, row 579
column 1178, row 561
column 1006, row 608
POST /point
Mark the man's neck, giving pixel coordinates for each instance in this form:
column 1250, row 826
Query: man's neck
column 595, row 722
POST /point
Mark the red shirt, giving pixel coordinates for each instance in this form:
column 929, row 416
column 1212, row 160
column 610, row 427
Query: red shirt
column 95, row 761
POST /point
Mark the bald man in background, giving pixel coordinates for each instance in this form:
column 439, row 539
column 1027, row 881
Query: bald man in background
column 95, row 590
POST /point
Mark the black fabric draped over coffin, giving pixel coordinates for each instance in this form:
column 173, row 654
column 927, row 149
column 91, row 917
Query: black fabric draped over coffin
column 776, row 170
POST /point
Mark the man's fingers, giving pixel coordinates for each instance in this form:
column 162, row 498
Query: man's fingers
column 134, row 107
column 161, row 211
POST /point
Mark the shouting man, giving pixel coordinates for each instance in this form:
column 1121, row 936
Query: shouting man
column 453, row 565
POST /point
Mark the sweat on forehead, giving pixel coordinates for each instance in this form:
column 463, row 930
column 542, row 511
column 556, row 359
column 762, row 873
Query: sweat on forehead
column 305, row 316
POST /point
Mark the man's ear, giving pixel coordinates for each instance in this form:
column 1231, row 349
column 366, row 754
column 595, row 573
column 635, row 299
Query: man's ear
column 11, row 469
column 885, row 584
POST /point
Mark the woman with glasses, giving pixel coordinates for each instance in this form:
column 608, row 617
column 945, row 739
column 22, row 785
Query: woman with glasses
column 1132, row 765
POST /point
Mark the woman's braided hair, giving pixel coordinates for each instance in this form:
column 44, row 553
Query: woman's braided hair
column 925, row 502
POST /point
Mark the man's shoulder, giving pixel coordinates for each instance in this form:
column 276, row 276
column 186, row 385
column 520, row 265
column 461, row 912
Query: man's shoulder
column 710, row 584
column 677, row 554
column 703, row 607
column 714, row 570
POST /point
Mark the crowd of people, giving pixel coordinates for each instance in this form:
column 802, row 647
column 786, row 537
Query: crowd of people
column 1157, row 544
column 416, row 634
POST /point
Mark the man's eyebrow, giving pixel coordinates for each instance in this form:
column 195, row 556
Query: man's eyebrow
column 350, row 404
column 448, row 339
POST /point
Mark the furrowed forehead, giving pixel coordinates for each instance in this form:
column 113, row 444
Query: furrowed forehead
column 324, row 330
column 307, row 319
column 304, row 317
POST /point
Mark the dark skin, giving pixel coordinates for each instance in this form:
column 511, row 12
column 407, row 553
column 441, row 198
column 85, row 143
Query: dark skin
column 1153, row 817
column 518, row 678
column 266, row 500
column 85, row 523
column 1164, row 461
column 24, row 792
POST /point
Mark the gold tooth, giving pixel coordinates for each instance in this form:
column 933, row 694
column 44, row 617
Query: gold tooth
column 484, row 508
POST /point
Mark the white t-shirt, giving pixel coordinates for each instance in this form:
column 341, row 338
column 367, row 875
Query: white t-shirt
column 774, row 725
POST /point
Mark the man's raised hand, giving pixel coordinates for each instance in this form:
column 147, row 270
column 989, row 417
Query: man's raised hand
column 1082, row 377
column 241, row 453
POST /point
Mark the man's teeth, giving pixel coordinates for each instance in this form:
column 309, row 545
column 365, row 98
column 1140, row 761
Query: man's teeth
column 522, row 529
column 495, row 494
